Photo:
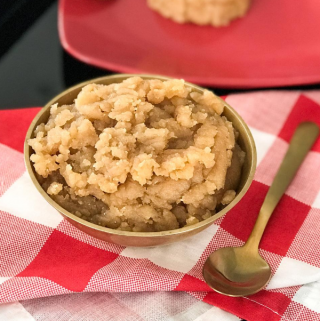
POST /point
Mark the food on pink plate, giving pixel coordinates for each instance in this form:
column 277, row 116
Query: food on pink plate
column 201, row 12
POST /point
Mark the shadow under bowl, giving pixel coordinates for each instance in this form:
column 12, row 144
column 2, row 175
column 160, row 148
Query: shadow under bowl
column 142, row 239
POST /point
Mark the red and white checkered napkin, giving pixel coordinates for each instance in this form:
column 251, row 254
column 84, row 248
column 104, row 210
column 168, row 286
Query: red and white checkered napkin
column 42, row 255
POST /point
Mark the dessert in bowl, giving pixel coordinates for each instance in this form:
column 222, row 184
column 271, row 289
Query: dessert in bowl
column 140, row 160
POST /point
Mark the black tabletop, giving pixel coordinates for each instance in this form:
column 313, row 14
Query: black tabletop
column 33, row 65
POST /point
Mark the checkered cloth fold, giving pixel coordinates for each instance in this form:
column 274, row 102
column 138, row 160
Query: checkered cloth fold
column 42, row 255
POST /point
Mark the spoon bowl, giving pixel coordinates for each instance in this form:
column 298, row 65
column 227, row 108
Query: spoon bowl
column 241, row 271
column 236, row 271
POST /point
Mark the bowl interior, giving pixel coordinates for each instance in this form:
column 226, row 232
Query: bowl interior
column 245, row 141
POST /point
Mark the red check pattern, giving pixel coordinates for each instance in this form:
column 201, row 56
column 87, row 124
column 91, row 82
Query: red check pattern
column 42, row 255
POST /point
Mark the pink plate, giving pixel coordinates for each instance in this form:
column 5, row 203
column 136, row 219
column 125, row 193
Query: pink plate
column 276, row 44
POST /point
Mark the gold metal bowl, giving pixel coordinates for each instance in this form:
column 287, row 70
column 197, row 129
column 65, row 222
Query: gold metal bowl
column 126, row 238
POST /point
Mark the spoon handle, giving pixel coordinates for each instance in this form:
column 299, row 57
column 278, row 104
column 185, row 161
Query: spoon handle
column 300, row 144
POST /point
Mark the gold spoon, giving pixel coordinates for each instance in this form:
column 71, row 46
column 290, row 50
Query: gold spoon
column 241, row 271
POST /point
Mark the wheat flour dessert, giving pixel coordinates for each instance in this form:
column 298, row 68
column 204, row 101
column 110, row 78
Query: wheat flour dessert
column 201, row 12
column 141, row 155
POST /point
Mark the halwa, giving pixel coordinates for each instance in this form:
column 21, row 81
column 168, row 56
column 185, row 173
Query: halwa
column 141, row 155
column 201, row 12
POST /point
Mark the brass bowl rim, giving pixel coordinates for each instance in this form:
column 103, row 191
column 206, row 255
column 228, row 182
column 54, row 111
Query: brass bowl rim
column 182, row 230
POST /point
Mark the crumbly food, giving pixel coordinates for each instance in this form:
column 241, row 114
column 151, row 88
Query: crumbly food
column 141, row 155
column 202, row 12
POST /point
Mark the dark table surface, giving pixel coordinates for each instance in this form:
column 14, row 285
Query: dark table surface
column 33, row 65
